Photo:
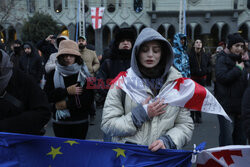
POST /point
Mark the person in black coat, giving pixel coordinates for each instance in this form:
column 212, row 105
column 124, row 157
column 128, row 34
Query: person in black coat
column 199, row 64
column 230, row 85
column 67, row 90
column 24, row 106
column 31, row 63
column 118, row 61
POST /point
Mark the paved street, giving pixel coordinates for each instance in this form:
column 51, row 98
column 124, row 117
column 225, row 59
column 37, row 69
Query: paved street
column 207, row 131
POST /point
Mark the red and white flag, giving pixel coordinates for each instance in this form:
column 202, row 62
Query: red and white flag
column 233, row 156
column 96, row 16
column 183, row 92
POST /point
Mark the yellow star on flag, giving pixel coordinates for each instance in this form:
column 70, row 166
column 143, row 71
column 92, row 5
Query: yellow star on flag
column 71, row 142
column 54, row 152
column 119, row 152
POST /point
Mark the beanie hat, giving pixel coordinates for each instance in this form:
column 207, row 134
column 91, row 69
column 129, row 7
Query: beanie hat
column 68, row 47
column 82, row 37
column 125, row 33
column 233, row 39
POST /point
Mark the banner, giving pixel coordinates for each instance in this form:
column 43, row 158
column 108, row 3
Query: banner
column 41, row 151
column 233, row 156
column 96, row 16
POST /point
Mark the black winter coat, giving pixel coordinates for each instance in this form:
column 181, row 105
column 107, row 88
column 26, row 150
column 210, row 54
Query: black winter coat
column 230, row 83
column 198, row 69
column 246, row 111
column 34, row 113
column 77, row 112
column 32, row 63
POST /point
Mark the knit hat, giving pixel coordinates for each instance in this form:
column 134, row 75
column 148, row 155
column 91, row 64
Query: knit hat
column 68, row 47
column 233, row 39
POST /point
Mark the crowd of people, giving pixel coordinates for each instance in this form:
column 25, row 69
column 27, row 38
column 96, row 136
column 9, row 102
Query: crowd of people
column 69, row 67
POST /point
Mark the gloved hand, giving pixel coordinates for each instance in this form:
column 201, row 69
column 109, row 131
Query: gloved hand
column 74, row 90
column 61, row 105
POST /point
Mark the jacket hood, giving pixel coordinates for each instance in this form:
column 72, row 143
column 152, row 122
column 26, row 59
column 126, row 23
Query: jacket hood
column 177, row 41
column 33, row 49
column 149, row 34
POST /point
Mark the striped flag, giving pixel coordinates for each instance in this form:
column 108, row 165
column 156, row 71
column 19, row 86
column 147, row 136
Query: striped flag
column 183, row 92
column 96, row 16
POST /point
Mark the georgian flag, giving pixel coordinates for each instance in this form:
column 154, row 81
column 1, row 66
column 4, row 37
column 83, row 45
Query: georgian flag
column 96, row 16
column 183, row 92
column 233, row 156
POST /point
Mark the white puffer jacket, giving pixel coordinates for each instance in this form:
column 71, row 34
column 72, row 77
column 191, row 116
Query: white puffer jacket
column 116, row 121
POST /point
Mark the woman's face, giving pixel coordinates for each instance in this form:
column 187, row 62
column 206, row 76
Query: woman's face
column 237, row 48
column 150, row 54
column 198, row 44
column 69, row 59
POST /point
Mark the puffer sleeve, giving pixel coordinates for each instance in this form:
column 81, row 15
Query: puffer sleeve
column 183, row 128
column 114, row 120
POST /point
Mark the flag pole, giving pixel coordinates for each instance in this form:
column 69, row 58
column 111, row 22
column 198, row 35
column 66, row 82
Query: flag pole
column 77, row 19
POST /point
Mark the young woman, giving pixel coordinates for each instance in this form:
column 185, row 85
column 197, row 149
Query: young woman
column 159, row 125
column 66, row 89
column 230, row 86
column 199, row 63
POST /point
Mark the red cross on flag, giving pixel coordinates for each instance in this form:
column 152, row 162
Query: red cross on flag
column 96, row 16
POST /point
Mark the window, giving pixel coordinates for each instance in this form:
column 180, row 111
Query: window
column 111, row 5
column 86, row 6
column 138, row 6
column 66, row 3
column 235, row 4
column 49, row 4
column 3, row 5
column 58, row 6
column 31, row 6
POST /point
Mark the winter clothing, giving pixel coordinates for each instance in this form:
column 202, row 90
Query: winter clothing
column 91, row 60
column 31, row 63
column 230, row 86
column 118, row 61
column 246, row 111
column 75, row 113
column 68, row 47
column 51, row 63
column 181, row 60
column 233, row 39
column 29, row 111
column 46, row 48
column 128, row 122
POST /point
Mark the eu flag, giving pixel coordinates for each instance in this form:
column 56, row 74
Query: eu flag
column 35, row 151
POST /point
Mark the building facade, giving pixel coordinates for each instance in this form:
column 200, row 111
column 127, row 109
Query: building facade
column 210, row 20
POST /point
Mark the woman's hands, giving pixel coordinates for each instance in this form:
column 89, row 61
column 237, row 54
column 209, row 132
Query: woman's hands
column 155, row 108
column 156, row 145
column 74, row 90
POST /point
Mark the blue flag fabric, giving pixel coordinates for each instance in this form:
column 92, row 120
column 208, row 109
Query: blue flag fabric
column 29, row 151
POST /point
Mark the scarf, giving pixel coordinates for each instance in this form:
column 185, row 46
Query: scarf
column 182, row 92
column 5, row 71
column 62, row 71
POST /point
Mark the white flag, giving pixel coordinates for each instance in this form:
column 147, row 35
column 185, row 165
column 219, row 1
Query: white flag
column 96, row 16
column 233, row 156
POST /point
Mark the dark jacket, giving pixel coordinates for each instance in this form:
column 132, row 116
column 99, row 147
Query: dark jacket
column 32, row 64
column 246, row 111
column 199, row 64
column 46, row 48
column 77, row 112
column 32, row 115
column 230, row 83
